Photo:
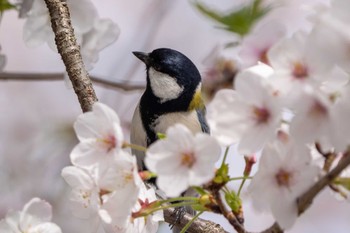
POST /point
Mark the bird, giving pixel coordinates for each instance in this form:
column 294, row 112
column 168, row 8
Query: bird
column 172, row 95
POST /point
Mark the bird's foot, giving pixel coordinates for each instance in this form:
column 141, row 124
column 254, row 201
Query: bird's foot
column 179, row 213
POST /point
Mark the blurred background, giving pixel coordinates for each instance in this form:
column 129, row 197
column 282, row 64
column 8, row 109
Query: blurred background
column 36, row 117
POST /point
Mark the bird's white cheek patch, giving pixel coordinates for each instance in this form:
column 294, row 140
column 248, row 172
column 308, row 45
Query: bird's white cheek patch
column 164, row 86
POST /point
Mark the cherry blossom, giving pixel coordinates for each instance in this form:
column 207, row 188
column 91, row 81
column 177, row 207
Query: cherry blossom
column 34, row 217
column 100, row 136
column 93, row 33
column 104, row 193
column 285, row 172
column 340, row 121
column 250, row 114
column 313, row 119
column 330, row 35
column 255, row 46
column 182, row 159
column 103, row 33
column 295, row 67
column 147, row 224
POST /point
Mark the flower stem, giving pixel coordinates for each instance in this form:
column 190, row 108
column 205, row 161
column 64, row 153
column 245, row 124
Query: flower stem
column 180, row 204
column 179, row 199
column 190, row 222
column 241, row 186
column 225, row 156
column 134, row 146
column 240, row 178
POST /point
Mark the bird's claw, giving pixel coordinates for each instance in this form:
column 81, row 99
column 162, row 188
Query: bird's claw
column 179, row 213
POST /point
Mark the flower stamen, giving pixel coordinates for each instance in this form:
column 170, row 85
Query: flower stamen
column 283, row 178
column 261, row 115
column 109, row 142
column 188, row 159
column 300, row 71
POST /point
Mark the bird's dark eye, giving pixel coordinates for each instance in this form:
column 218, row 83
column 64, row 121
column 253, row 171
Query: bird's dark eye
column 156, row 67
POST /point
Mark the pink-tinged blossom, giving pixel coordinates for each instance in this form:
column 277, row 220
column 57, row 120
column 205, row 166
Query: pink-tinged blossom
column 100, row 136
column 182, row 160
column 92, row 32
column 147, row 224
column 295, row 67
column 37, row 28
column 250, row 114
column 330, row 36
column 285, row 172
column 103, row 33
column 34, row 217
column 105, row 194
column 255, row 46
column 312, row 121
column 340, row 121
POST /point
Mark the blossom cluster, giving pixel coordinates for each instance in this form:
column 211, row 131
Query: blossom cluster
column 34, row 217
column 106, row 186
column 92, row 32
column 296, row 94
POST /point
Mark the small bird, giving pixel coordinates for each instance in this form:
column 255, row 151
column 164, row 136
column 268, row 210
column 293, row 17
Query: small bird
column 172, row 95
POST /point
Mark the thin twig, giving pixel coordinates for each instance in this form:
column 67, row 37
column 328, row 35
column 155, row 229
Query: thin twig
column 123, row 85
column 305, row 200
column 229, row 215
column 70, row 52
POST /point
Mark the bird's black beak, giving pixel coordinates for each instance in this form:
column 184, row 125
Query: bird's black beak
column 143, row 57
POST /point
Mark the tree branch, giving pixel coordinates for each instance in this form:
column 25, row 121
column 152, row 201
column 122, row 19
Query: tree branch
column 198, row 226
column 229, row 215
column 70, row 52
column 124, row 85
column 305, row 200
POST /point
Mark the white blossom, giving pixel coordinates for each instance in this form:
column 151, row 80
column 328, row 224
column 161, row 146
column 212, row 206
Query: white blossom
column 330, row 36
column 285, row 172
column 34, row 217
column 104, row 193
column 103, row 33
column 92, row 33
column 313, row 119
column 340, row 113
column 182, row 159
column 295, row 67
column 100, row 136
column 249, row 114
column 255, row 46
column 147, row 224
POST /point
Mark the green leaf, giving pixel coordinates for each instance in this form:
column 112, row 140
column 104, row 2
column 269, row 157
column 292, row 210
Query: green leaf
column 199, row 208
column 161, row 136
column 221, row 175
column 199, row 190
column 238, row 21
column 233, row 201
column 5, row 5
column 343, row 181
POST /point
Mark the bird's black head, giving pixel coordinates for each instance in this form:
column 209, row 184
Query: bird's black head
column 164, row 62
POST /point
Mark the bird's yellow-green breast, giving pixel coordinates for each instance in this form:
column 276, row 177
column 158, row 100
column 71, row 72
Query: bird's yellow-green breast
column 197, row 101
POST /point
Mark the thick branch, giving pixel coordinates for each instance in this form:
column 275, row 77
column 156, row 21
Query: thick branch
column 198, row 226
column 124, row 85
column 305, row 200
column 70, row 52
